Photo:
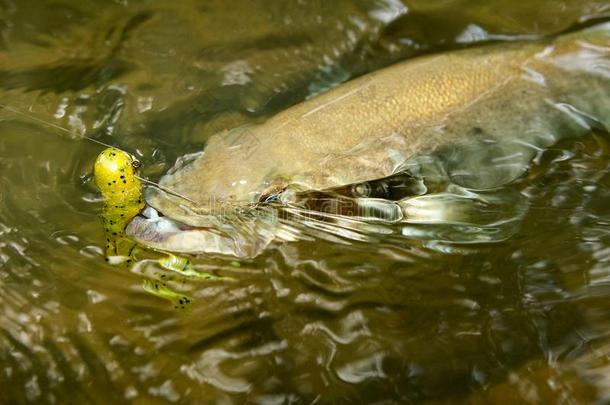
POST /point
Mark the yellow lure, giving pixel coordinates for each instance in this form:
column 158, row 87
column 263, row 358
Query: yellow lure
column 122, row 192
column 116, row 177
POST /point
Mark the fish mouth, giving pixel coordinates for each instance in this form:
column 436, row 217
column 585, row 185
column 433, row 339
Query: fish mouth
column 154, row 230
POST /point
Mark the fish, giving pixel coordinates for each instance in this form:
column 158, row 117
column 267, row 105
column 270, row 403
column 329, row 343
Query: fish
column 525, row 94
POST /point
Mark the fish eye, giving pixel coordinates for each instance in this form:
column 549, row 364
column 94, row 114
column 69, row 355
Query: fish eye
column 135, row 163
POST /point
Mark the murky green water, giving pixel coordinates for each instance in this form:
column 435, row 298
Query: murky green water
column 330, row 320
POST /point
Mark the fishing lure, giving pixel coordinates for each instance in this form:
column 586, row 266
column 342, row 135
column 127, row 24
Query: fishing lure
column 116, row 176
column 115, row 173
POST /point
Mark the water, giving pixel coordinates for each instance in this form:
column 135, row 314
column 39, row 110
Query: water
column 328, row 318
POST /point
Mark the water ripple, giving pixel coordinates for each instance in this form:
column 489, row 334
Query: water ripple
column 502, row 299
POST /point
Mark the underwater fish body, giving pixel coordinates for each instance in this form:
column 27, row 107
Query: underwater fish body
column 371, row 127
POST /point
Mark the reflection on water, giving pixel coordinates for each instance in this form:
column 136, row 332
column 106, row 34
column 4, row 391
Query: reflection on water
column 363, row 315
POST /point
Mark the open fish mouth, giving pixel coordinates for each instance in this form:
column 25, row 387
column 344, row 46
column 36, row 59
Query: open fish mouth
column 152, row 229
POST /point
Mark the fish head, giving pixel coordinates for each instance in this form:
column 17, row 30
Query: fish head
column 181, row 225
column 205, row 204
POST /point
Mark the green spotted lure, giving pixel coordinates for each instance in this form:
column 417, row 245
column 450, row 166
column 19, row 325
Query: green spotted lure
column 115, row 173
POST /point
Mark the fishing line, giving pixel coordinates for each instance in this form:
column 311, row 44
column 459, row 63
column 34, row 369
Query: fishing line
column 50, row 124
column 165, row 190
column 136, row 162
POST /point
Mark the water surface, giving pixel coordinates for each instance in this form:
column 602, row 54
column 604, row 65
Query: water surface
column 330, row 319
